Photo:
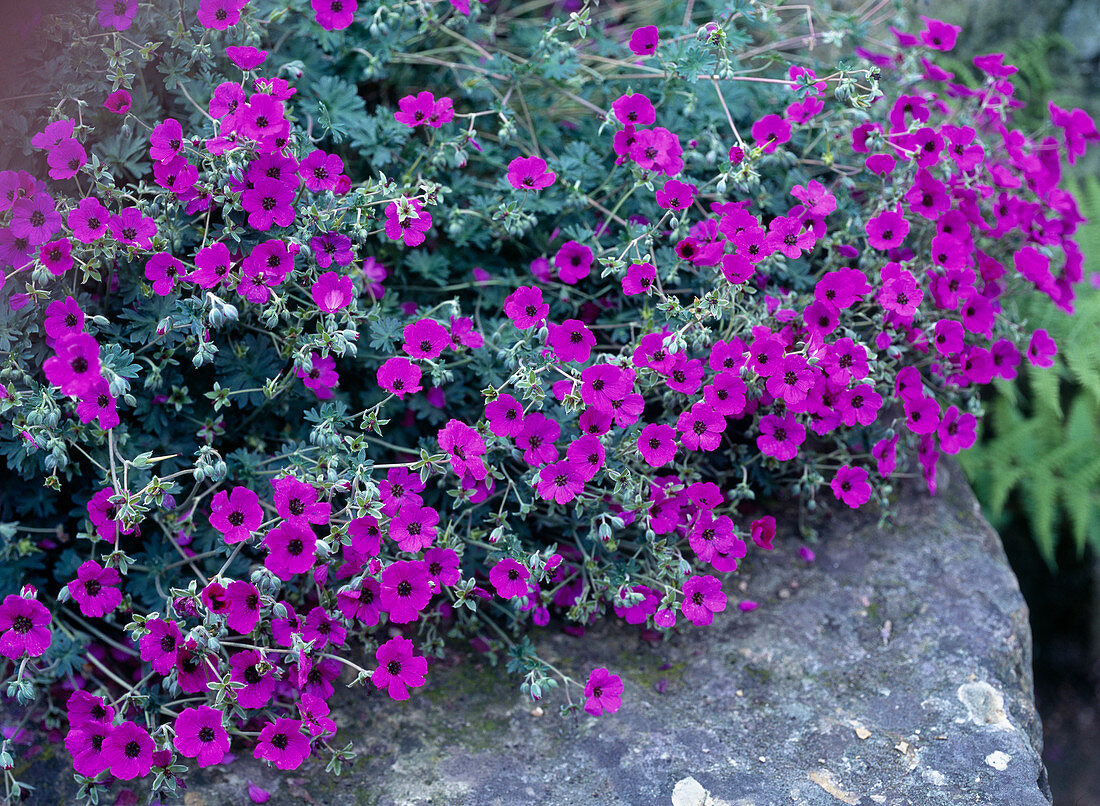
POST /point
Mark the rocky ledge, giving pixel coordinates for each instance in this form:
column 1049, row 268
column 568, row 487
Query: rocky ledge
column 894, row 669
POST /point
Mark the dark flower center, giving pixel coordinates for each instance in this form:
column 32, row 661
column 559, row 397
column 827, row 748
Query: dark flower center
column 280, row 741
column 92, row 587
column 167, row 643
column 294, row 547
column 132, row 749
column 206, row 734
column 296, row 506
column 22, row 624
column 236, row 518
column 404, row 588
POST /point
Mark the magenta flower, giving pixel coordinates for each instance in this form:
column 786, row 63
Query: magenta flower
column 415, row 110
column 128, row 750
column 413, row 527
column 657, row 444
column 406, row 590
column 246, row 667
column 99, row 404
column 75, row 367
column 901, row 294
column 281, row 742
column 425, row 338
column 505, row 416
column 88, row 220
column 25, row 627
column 780, row 436
column 573, row 261
column 675, row 195
column 166, row 140
column 1077, row 127
column 243, row 606
column 331, row 292
column 957, row 431
column 510, row 578
column 634, row 109
column 560, row 482
column 321, row 171
column 269, row 202
column 93, row 589
column 1041, row 349
column 850, row 485
column 398, row 668
column 117, row 14
column 321, row 376
column 34, row 219
column 297, row 501
column 407, row 221
column 158, row 645
column 66, row 159
column 571, row 340
column 922, row 414
column 703, row 597
column 442, row 566
column 200, row 735
column 603, row 692
column 770, row 132
column 322, row 629
column 536, row 438
column 399, row 376
column 465, row 446
column 291, row 549
column 212, row 265
column 700, row 427
column 887, row 230
column 362, row 605
column 860, row 404
column 236, row 514
column 130, row 228
column 762, row 532
column 219, row 14
column 163, row 270
column 530, row 173
column 57, row 256
column 245, row 56
column 639, row 278
column 786, row 234
column 331, row 247
column 643, row 41
column 939, row 35
column 525, row 307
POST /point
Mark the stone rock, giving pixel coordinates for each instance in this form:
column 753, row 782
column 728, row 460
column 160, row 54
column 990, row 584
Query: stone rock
column 897, row 672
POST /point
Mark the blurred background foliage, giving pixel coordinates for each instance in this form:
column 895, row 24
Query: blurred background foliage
column 1036, row 468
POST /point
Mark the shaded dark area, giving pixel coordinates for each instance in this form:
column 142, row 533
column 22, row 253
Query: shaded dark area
column 1063, row 604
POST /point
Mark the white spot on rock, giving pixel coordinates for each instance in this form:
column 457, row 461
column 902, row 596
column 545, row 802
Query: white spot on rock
column 998, row 760
column 689, row 792
column 985, row 705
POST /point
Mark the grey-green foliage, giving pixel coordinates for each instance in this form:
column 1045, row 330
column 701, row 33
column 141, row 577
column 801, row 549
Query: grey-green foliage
column 1041, row 443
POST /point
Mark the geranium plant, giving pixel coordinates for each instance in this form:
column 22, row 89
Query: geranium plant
column 336, row 330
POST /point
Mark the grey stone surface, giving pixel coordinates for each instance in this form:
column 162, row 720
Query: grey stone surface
column 894, row 670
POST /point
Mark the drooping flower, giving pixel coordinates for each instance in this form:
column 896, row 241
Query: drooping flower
column 603, row 692
column 399, row 668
